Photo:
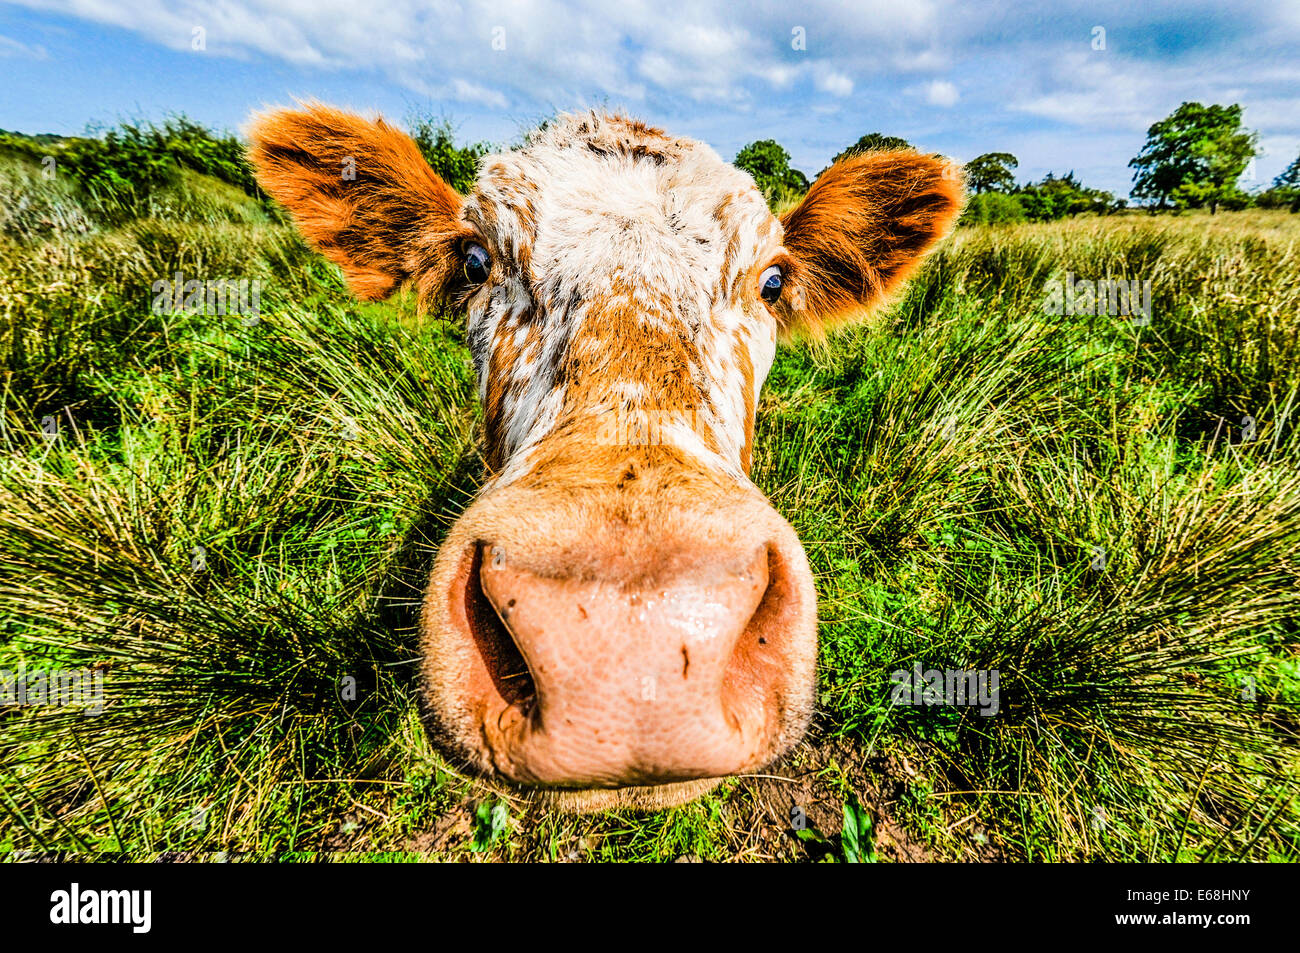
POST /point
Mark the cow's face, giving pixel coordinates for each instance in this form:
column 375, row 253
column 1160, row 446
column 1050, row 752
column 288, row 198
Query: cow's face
column 620, row 615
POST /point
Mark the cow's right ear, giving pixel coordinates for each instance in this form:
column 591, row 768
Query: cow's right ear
column 362, row 194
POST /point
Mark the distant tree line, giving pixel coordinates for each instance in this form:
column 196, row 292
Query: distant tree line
column 123, row 166
column 1194, row 158
column 130, row 160
column 997, row 198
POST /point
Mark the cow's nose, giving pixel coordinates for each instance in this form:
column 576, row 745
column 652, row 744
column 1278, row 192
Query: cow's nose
column 645, row 680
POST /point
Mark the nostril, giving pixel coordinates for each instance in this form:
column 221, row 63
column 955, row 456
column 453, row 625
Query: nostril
column 756, row 665
column 504, row 663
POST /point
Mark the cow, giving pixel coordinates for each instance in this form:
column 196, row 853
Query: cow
column 620, row 619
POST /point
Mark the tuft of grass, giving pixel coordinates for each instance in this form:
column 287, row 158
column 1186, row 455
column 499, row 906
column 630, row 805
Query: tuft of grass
column 239, row 553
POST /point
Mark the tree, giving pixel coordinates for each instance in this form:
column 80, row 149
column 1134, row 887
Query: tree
column 873, row 142
column 1194, row 157
column 1290, row 177
column 769, row 164
column 1285, row 192
column 1055, row 197
column 992, row 208
column 455, row 165
column 991, row 172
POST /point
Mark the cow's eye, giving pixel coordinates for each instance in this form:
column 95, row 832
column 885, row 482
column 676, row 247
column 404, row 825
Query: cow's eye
column 477, row 264
column 769, row 284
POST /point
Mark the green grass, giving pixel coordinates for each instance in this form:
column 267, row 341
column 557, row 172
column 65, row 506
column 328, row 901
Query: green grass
column 235, row 520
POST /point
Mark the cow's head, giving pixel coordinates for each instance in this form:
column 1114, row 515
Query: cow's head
column 621, row 614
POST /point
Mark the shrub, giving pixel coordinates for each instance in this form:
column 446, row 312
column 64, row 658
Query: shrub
column 220, row 156
column 769, row 164
column 122, row 170
column 1279, row 197
column 456, row 165
column 1056, row 197
column 993, row 208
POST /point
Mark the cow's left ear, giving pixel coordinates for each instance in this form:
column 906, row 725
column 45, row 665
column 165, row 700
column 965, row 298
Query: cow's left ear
column 865, row 224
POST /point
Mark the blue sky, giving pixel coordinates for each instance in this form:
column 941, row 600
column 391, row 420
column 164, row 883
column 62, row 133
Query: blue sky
column 952, row 77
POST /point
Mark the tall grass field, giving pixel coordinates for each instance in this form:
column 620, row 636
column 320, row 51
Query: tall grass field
column 226, row 519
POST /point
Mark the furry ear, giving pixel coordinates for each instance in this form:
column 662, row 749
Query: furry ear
column 865, row 224
column 362, row 194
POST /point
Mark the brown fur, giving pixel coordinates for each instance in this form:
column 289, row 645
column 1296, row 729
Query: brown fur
column 396, row 220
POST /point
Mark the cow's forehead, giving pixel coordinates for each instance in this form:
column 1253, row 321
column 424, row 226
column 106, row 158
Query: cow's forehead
column 591, row 194
column 605, row 233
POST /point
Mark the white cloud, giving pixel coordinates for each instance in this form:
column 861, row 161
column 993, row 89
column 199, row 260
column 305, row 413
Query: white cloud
column 11, row 47
column 835, row 83
column 555, row 51
column 780, row 75
column 940, row 92
column 1086, row 89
